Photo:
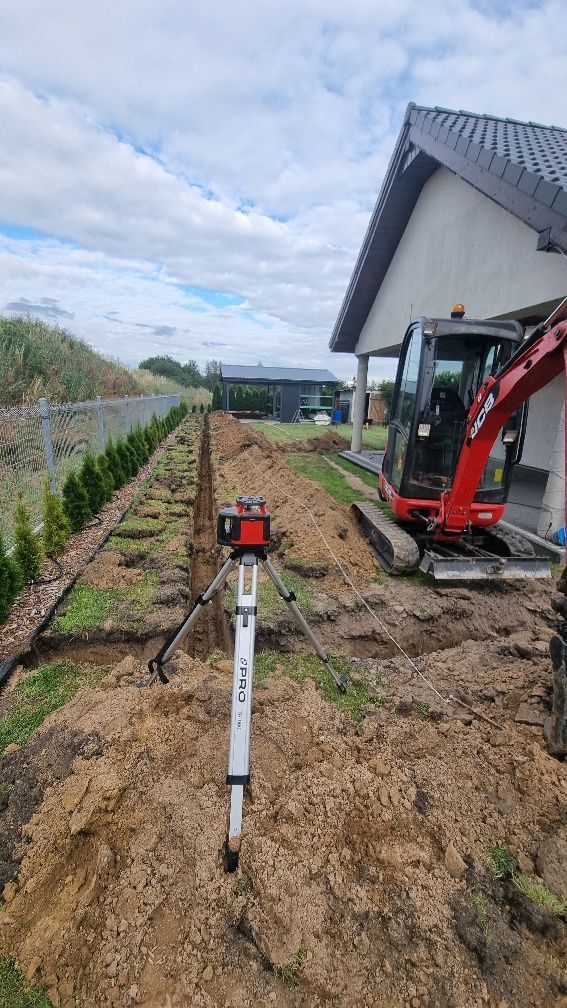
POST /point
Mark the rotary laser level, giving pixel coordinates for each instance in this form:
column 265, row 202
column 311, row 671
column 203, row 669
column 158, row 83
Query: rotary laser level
column 246, row 529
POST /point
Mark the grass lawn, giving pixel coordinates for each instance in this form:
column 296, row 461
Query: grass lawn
column 316, row 468
column 14, row 992
column 374, row 437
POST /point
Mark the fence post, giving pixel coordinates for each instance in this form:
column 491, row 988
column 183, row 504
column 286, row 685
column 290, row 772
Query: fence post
column 128, row 418
column 47, row 443
column 100, row 423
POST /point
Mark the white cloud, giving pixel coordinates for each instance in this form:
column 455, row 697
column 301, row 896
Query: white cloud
column 231, row 147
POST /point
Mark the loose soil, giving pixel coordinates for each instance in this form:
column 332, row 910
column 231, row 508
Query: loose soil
column 364, row 876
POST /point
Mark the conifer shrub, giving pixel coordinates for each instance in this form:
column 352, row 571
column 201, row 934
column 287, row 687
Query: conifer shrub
column 126, row 460
column 217, row 398
column 201, row 408
column 106, row 471
column 140, row 441
column 27, row 549
column 209, row 408
column 194, row 408
column 93, row 481
column 11, row 581
column 76, row 502
column 56, row 528
column 134, row 449
column 119, row 477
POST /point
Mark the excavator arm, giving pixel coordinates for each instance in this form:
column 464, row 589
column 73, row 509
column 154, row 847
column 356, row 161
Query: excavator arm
column 536, row 363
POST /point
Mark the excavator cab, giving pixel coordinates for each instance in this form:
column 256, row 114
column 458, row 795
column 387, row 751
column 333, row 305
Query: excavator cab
column 443, row 364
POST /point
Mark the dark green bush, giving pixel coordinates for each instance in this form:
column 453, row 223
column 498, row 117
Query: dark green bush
column 193, row 408
column 126, row 460
column 201, row 408
column 56, row 528
column 11, row 581
column 217, row 398
column 119, row 477
column 76, row 503
column 106, row 471
column 27, row 549
column 93, row 482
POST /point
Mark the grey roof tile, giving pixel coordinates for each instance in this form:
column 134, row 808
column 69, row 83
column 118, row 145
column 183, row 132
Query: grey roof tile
column 529, row 182
column 560, row 202
column 498, row 165
column 512, row 173
column 546, row 192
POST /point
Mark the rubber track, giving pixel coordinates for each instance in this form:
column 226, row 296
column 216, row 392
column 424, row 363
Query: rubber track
column 397, row 551
column 513, row 541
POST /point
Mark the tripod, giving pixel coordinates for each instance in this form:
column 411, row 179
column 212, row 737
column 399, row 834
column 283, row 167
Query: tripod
column 247, row 558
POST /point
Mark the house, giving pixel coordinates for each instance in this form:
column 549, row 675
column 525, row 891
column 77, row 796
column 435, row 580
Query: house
column 473, row 209
column 295, row 393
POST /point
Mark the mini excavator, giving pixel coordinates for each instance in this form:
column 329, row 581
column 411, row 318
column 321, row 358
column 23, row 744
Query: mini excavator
column 446, row 477
column 446, row 472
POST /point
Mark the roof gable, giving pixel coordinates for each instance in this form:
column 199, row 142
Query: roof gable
column 521, row 166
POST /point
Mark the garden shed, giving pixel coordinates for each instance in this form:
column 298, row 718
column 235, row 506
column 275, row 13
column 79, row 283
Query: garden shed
column 294, row 393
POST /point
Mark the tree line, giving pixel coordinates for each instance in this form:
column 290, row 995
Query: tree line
column 188, row 374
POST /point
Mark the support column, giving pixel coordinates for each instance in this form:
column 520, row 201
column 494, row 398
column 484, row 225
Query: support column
column 359, row 403
column 552, row 514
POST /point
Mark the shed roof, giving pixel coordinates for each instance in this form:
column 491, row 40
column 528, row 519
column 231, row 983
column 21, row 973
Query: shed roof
column 522, row 166
column 248, row 373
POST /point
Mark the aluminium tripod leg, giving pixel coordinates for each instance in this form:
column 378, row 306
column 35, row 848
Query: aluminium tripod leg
column 173, row 642
column 289, row 597
column 241, row 712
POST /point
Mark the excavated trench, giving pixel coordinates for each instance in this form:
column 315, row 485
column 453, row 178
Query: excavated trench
column 210, row 633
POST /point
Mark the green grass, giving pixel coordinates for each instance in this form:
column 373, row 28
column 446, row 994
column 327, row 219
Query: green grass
column 481, row 913
column 503, row 864
column 290, row 974
column 315, row 468
column 539, row 893
column 371, row 479
column 270, row 603
column 13, row 993
column 88, row 607
column 305, row 665
column 374, row 437
column 42, row 693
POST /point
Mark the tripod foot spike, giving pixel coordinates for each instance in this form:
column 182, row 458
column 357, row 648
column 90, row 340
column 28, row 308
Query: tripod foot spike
column 230, row 858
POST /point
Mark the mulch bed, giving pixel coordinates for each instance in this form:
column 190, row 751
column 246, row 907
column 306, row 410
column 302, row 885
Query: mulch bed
column 36, row 601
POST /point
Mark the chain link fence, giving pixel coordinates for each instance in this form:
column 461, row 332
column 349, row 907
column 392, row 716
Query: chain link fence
column 48, row 439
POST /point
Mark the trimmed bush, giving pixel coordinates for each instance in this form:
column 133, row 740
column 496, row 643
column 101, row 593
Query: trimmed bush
column 210, row 408
column 106, row 472
column 201, row 408
column 119, row 477
column 11, row 581
column 126, row 461
column 27, row 550
column 56, row 529
column 93, row 482
column 193, row 408
column 76, row 503
column 217, row 398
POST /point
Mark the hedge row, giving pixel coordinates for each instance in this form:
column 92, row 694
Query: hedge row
column 83, row 494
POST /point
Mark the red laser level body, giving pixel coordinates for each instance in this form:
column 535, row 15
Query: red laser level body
column 245, row 526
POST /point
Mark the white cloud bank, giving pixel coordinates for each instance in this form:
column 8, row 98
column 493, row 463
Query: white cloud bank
column 232, row 148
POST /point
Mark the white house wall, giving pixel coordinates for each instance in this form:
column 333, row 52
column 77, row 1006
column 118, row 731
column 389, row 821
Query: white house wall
column 459, row 246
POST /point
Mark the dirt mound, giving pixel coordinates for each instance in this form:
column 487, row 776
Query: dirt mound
column 325, row 443
column 361, row 880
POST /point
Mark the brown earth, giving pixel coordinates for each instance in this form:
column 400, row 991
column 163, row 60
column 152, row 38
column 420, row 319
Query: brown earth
column 362, row 851
column 363, row 876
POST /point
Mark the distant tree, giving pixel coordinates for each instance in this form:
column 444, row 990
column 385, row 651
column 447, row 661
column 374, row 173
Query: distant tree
column 76, row 502
column 27, row 550
column 193, row 377
column 11, row 581
column 386, row 387
column 170, row 368
column 56, row 529
column 447, row 379
column 212, row 374
column 217, row 397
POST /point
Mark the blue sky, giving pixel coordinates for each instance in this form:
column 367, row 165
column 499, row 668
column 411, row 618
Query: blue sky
column 197, row 179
